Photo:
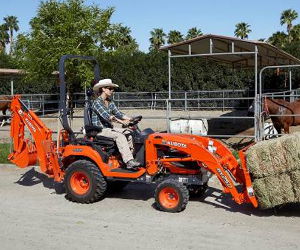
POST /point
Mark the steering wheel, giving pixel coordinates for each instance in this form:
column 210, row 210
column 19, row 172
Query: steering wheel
column 134, row 120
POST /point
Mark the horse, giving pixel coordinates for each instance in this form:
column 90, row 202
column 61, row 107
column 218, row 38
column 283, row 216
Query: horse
column 4, row 106
column 282, row 109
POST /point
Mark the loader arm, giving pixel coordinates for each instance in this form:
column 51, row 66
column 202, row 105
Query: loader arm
column 25, row 151
column 213, row 155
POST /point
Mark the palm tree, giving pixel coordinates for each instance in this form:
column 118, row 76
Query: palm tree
column 193, row 32
column 278, row 39
column 287, row 17
column 242, row 30
column 295, row 33
column 4, row 37
column 119, row 36
column 12, row 24
column 157, row 39
column 174, row 36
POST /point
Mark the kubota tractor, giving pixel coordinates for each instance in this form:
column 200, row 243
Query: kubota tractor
column 89, row 164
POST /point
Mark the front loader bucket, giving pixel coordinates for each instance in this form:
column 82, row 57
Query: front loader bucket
column 25, row 157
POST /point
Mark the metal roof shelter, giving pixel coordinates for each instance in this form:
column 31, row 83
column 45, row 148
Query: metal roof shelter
column 231, row 50
column 11, row 73
column 235, row 52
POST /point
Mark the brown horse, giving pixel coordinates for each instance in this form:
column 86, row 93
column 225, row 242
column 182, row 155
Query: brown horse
column 282, row 109
column 4, row 106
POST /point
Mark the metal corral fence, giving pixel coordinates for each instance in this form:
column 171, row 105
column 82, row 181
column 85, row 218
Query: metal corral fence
column 233, row 103
column 181, row 100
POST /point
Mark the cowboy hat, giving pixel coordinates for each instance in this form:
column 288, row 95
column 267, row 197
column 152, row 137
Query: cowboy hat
column 104, row 83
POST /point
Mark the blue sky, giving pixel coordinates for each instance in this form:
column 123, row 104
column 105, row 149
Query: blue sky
column 213, row 16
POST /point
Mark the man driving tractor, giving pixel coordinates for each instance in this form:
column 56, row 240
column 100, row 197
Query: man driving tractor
column 110, row 113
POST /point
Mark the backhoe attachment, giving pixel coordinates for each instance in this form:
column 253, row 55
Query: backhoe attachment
column 27, row 152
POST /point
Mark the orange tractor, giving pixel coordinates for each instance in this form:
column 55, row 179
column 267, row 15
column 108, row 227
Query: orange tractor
column 89, row 164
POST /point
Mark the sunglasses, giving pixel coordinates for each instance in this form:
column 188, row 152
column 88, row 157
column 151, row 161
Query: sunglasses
column 110, row 88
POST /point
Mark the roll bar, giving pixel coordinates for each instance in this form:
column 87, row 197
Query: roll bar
column 62, row 84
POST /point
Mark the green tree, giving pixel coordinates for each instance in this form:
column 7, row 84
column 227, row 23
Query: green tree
column 4, row 37
column 12, row 25
column 242, row 30
column 278, row 39
column 287, row 17
column 193, row 32
column 68, row 27
column 174, row 36
column 157, row 39
column 119, row 36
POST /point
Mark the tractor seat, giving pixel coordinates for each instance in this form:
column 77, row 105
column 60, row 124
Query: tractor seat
column 104, row 141
column 92, row 131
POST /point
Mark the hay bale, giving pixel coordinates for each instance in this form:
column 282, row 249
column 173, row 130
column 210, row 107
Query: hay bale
column 274, row 190
column 259, row 160
column 275, row 169
column 291, row 149
column 295, row 179
column 274, row 156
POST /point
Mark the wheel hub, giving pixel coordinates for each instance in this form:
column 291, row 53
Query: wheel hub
column 169, row 198
column 80, row 183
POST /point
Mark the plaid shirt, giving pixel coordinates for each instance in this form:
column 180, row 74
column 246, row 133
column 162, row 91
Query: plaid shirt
column 105, row 112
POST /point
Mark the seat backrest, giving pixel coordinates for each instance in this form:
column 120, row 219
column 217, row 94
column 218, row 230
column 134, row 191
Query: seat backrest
column 89, row 111
column 87, row 114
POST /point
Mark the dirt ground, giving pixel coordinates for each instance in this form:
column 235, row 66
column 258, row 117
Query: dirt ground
column 33, row 216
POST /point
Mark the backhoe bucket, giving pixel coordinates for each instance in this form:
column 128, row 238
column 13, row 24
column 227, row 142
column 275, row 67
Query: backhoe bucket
column 26, row 156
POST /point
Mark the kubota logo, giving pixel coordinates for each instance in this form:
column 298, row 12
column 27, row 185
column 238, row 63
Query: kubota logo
column 30, row 125
column 174, row 143
column 224, row 178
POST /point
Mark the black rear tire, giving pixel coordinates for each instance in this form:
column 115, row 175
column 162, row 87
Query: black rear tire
column 84, row 182
column 171, row 196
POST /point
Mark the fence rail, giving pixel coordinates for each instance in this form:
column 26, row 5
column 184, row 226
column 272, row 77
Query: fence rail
column 184, row 100
column 47, row 105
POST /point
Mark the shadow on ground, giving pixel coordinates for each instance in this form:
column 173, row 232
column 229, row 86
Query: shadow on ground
column 224, row 125
column 142, row 191
column 224, row 201
column 33, row 177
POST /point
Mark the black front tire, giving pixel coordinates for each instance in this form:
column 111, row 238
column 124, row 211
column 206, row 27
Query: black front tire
column 84, row 182
column 171, row 196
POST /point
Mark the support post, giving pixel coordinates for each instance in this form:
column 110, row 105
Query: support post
column 290, row 78
column 292, row 98
column 257, row 104
column 12, row 87
column 170, row 89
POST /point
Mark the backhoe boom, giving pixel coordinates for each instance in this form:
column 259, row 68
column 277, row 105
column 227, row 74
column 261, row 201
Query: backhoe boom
column 42, row 148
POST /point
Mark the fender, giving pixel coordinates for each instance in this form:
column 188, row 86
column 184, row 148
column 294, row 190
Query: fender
column 85, row 151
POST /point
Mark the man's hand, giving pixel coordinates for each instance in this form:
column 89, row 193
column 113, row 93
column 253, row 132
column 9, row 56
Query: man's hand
column 125, row 122
column 112, row 118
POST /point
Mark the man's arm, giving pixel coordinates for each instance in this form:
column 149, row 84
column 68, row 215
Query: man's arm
column 117, row 113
